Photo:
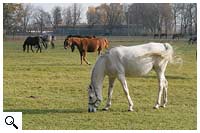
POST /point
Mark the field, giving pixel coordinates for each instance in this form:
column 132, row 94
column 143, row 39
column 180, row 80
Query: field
column 50, row 88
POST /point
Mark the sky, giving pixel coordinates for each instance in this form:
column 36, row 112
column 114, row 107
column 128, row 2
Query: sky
column 49, row 6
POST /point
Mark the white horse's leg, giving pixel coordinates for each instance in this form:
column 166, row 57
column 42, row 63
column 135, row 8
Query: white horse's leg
column 123, row 82
column 160, row 70
column 165, row 94
column 160, row 91
column 110, row 91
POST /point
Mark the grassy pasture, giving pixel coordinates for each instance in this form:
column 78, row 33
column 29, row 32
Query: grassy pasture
column 50, row 88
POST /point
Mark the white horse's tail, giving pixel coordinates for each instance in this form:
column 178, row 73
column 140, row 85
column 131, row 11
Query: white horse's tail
column 168, row 53
column 170, row 56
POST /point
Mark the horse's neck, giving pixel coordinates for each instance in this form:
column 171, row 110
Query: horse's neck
column 98, row 74
column 77, row 42
column 98, row 71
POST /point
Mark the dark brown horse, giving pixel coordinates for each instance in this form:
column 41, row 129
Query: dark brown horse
column 33, row 41
column 85, row 45
column 192, row 40
column 174, row 36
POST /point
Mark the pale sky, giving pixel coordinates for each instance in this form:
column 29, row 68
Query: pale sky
column 49, row 6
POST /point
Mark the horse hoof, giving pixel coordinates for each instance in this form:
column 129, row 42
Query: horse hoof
column 163, row 106
column 92, row 110
column 105, row 109
column 156, row 107
column 130, row 110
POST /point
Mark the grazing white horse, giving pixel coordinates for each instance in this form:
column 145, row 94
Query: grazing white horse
column 123, row 61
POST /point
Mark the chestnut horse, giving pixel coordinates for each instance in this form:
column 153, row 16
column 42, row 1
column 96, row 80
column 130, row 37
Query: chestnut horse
column 78, row 36
column 85, row 45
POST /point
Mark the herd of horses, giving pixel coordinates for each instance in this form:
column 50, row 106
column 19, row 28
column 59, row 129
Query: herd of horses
column 117, row 63
column 83, row 43
column 36, row 42
column 191, row 40
column 174, row 36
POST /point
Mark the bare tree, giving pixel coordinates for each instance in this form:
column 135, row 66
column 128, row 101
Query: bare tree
column 41, row 19
column 134, row 16
column 191, row 16
column 102, row 14
column 167, row 17
column 106, row 15
column 26, row 15
column 72, row 15
column 57, row 16
column 149, row 17
column 92, row 16
column 144, row 17
column 115, row 15
column 164, row 14
column 175, row 12
column 76, row 14
column 67, row 16
column 186, row 17
column 195, row 18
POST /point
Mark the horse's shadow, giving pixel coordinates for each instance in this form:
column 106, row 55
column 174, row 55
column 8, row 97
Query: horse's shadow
column 45, row 111
column 168, row 77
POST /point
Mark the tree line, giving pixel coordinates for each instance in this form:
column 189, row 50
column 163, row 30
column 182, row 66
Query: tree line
column 26, row 17
column 149, row 17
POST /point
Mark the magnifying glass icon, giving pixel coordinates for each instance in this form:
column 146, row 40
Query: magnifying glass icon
column 9, row 120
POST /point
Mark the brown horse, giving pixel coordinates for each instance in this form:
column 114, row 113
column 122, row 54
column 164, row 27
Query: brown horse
column 78, row 36
column 85, row 45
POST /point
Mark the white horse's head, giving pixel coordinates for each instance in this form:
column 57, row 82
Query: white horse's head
column 93, row 100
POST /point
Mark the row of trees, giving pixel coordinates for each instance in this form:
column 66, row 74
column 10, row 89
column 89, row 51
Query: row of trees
column 148, row 17
column 25, row 17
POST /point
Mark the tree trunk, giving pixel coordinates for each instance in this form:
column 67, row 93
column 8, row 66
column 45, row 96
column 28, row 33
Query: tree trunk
column 174, row 24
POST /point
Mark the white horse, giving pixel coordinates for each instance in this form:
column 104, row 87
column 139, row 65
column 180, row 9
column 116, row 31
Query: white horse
column 130, row 61
column 48, row 39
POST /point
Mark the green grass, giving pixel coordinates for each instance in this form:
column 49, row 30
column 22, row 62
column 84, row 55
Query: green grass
column 50, row 88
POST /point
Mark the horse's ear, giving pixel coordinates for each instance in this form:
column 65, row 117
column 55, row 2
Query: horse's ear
column 90, row 87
